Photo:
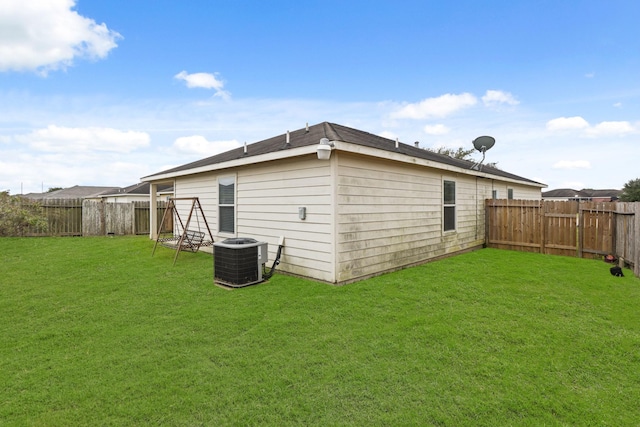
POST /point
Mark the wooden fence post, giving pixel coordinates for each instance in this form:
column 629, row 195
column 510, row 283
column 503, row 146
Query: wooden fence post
column 636, row 237
column 579, row 232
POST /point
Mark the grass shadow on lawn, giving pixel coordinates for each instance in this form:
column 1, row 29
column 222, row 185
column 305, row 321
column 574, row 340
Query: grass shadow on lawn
column 96, row 331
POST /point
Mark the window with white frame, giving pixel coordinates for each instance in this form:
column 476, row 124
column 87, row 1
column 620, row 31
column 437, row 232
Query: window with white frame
column 449, row 205
column 227, row 204
column 510, row 193
column 494, row 194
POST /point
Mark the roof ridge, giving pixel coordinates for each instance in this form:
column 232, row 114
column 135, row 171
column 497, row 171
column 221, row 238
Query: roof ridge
column 330, row 132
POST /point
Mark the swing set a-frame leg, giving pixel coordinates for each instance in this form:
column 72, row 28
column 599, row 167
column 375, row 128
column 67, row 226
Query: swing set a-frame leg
column 184, row 227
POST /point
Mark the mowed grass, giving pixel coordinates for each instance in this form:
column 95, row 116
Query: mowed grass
column 95, row 331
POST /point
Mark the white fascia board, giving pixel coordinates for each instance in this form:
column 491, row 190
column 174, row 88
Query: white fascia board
column 276, row 155
column 399, row 157
column 338, row 146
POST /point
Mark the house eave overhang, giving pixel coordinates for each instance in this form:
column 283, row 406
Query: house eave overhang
column 339, row 146
column 400, row 157
column 250, row 160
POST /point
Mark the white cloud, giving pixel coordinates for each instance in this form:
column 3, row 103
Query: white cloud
column 42, row 36
column 494, row 98
column 204, row 81
column 77, row 140
column 567, row 123
column 572, row 164
column 389, row 135
column 610, row 129
column 618, row 105
column 602, row 129
column 438, row 129
column 441, row 106
column 197, row 144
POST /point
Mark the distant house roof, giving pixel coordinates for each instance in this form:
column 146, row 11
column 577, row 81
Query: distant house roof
column 90, row 192
column 311, row 136
column 141, row 189
column 586, row 193
column 75, row 192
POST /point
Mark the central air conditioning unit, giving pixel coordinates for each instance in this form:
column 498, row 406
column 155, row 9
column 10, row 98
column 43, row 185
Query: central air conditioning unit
column 239, row 261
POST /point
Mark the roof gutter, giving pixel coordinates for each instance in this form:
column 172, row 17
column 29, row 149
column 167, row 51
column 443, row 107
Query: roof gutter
column 339, row 146
column 404, row 158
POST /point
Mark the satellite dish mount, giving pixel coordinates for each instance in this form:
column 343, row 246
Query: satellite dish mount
column 482, row 144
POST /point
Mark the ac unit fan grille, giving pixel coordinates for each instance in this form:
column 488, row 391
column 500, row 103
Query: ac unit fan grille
column 236, row 266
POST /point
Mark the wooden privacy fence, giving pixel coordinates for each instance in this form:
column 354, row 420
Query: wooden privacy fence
column 581, row 229
column 78, row 217
column 64, row 217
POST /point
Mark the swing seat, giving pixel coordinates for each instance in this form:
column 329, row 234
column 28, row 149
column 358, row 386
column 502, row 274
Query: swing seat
column 192, row 241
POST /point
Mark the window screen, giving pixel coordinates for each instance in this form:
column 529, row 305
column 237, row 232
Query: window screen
column 226, row 204
column 449, row 203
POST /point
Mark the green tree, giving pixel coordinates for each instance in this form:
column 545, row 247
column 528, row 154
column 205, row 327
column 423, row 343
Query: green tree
column 52, row 189
column 631, row 191
column 19, row 215
column 460, row 153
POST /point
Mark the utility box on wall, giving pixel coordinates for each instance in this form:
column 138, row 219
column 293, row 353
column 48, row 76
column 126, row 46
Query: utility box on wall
column 239, row 261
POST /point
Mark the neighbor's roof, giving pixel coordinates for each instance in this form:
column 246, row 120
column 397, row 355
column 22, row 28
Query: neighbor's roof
column 311, row 136
column 75, row 192
column 141, row 188
column 586, row 192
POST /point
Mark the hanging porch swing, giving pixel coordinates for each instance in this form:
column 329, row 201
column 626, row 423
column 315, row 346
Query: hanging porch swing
column 185, row 236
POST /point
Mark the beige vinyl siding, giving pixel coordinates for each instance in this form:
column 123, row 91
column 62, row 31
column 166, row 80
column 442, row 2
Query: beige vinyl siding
column 519, row 191
column 390, row 215
column 386, row 213
column 268, row 196
column 205, row 187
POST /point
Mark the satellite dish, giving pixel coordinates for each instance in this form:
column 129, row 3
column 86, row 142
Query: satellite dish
column 484, row 143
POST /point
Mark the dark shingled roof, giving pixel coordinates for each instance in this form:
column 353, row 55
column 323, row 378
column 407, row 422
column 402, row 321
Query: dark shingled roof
column 335, row 132
column 584, row 193
column 141, row 188
column 75, row 192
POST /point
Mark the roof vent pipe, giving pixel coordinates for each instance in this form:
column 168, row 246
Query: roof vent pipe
column 307, row 127
column 288, row 139
column 397, row 143
column 417, row 144
column 245, row 147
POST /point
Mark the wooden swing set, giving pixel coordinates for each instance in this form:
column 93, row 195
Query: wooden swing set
column 183, row 238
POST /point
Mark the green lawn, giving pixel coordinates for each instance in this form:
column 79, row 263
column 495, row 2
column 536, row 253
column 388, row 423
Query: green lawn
column 95, row 331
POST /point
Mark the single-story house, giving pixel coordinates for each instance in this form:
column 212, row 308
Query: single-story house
column 587, row 194
column 370, row 205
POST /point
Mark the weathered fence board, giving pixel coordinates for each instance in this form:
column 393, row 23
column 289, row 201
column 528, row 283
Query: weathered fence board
column 142, row 218
column 64, row 216
column 78, row 217
column 582, row 229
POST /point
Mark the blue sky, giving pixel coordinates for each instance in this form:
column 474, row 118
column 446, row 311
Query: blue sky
column 103, row 93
